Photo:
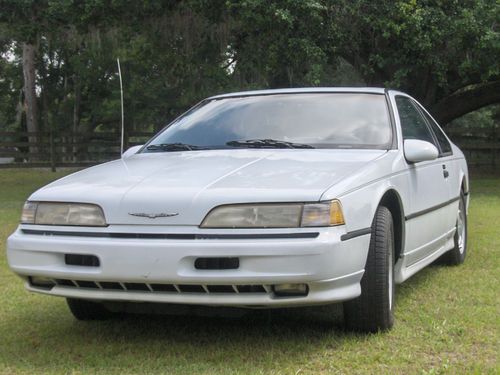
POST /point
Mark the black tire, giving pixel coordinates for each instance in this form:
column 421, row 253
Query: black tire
column 88, row 310
column 374, row 310
column 457, row 255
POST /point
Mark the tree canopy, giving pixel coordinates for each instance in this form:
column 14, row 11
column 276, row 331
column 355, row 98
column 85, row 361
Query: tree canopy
column 58, row 65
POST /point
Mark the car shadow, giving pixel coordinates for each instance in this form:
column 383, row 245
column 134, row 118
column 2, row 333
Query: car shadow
column 185, row 320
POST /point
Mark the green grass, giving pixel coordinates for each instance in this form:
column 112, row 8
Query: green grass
column 447, row 320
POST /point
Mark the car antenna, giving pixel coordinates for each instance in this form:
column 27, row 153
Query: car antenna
column 121, row 100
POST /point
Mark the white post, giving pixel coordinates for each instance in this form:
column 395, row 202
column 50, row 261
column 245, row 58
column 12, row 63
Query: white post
column 121, row 98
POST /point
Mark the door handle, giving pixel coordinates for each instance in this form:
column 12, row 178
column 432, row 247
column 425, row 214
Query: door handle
column 445, row 172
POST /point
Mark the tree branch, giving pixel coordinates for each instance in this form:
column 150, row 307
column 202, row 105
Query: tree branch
column 463, row 102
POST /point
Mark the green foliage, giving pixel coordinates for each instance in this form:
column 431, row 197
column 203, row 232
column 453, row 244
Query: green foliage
column 174, row 53
column 428, row 48
column 279, row 44
column 170, row 54
column 483, row 122
column 10, row 85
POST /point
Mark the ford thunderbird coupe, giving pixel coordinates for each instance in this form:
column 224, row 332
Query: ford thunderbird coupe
column 260, row 199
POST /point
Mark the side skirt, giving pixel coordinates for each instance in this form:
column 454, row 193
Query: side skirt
column 404, row 271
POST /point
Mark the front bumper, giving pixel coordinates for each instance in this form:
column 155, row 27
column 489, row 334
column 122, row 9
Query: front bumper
column 331, row 268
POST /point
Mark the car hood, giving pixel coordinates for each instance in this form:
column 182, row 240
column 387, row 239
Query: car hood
column 188, row 184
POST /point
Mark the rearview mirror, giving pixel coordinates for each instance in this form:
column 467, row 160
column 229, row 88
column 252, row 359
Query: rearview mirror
column 416, row 151
column 131, row 151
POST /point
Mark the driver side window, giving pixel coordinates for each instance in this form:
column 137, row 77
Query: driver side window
column 441, row 138
column 413, row 124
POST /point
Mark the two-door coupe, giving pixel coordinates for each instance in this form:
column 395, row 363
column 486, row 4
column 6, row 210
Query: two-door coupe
column 256, row 199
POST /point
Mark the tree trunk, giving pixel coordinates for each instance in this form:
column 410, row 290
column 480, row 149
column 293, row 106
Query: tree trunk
column 47, row 127
column 463, row 102
column 20, row 111
column 76, row 115
column 30, row 94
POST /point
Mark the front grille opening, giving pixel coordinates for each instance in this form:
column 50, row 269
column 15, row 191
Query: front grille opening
column 191, row 288
column 81, row 260
column 86, row 284
column 251, row 289
column 151, row 288
column 64, row 282
column 137, row 287
column 110, row 285
column 220, row 289
column 163, row 287
column 217, row 263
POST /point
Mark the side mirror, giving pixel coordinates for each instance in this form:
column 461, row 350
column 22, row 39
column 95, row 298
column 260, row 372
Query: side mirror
column 416, row 151
column 131, row 151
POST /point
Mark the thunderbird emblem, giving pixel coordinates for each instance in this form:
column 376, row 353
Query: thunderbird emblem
column 153, row 216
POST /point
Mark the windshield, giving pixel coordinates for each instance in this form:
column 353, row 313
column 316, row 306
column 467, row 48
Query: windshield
column 318, row 120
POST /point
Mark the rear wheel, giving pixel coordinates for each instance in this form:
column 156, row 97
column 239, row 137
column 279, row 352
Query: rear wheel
column 88, row 310
column 457, row 255
column 374, row 310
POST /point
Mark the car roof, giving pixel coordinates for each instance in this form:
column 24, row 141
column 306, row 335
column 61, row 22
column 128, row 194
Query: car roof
column 364, row 90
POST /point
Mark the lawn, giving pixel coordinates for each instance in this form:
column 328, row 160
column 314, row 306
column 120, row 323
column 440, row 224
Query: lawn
column 447, row 320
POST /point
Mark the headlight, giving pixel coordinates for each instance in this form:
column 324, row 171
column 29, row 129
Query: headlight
column 275, row 215
column 322, row 214
column 54, row 213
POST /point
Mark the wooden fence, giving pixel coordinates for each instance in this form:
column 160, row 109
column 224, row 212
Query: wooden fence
column 46, row 149
column 481, row 147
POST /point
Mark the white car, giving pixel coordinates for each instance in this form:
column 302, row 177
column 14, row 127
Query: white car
column 256, row 199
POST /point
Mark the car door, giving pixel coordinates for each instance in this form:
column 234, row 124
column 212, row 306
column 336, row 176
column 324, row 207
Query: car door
column 450, row 165
column 426, row 222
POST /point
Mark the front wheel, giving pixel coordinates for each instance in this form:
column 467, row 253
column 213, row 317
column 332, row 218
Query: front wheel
column 374, row 310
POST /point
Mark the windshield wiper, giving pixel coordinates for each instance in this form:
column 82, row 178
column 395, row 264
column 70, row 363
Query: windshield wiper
column 174, row 147
column 266, row 143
